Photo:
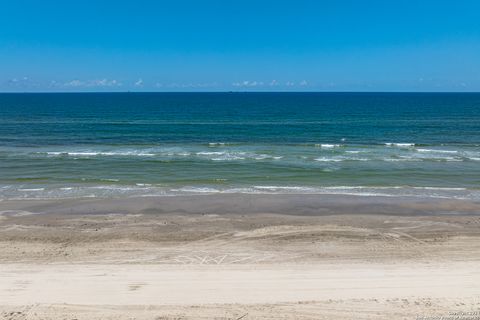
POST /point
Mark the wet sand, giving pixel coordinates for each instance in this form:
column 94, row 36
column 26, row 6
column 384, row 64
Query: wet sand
column 234, row 256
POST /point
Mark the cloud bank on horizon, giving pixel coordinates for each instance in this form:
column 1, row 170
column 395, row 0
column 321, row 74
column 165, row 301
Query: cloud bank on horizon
column 209, row 45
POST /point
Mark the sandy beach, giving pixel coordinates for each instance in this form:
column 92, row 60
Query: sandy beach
column 239, row 257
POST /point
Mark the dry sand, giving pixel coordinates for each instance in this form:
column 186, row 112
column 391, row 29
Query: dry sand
column 240, row 257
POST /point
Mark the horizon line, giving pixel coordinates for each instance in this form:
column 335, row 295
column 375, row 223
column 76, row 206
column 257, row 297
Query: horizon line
column 227, row 91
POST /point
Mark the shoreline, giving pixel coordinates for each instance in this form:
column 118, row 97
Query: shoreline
column 241, row 203
column 140, row 190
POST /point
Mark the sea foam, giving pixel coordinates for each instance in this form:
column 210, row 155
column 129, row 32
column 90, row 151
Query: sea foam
column 402, row 145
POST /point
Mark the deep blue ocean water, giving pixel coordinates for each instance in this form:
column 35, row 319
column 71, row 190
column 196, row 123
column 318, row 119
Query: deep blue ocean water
column 134, row 144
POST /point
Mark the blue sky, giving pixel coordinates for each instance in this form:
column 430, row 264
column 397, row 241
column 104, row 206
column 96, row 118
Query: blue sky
column 240, row 45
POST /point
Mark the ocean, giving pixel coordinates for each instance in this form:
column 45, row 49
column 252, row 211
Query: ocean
column 73, row 145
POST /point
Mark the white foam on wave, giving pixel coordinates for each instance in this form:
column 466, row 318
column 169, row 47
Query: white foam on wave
column 235, row 155
column 113, row 191
column 228, row 158
column 399, row 160
column 116, row 188
column 388, row 191
column 289, row 188
column 354, row 187
column 267, row 156
column 327, row 145
column 196, row 190
column 437, row 151
column 394, row 188
column 340, row 159
column 326, row 159
column 223, row 155
column 440, row 188
column 209, row 153
column 399, row 144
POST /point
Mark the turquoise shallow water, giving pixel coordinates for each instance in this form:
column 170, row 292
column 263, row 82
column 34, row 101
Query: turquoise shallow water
column 145, row 144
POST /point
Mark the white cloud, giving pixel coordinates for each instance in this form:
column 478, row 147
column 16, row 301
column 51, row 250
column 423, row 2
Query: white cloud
column 105, row 83
column 247, row 83
column 93, row 83
column 74, row 83
column 139, row 83
column 54, row 84
column 273, row 83
column 23, row 82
